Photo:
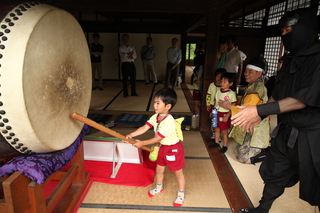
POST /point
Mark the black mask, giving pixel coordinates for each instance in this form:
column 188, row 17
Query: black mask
column 304, row 32
column 287, row 41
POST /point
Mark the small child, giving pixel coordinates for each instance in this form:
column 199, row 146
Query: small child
column 171, row 152
column 196, row 92
column 224, row 122
column 211, row 93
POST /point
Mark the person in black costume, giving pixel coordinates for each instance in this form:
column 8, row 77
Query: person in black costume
column 295, row 148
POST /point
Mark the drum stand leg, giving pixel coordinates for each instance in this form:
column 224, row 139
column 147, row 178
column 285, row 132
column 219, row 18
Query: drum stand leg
column 116, row 161
column 20, row 194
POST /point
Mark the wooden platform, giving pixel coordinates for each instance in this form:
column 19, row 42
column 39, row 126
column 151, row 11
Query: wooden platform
column 20, row 194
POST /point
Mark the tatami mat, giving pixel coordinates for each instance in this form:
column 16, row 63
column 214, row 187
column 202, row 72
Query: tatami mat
column 107, row 98
column 100, row 98
column 203, row 190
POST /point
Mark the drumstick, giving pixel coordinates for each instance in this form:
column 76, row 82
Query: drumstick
column 102, row 128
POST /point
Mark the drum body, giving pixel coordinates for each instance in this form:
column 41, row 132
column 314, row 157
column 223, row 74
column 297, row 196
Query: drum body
column 45, row 75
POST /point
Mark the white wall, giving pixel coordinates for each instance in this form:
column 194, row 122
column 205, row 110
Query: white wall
column 110, row 57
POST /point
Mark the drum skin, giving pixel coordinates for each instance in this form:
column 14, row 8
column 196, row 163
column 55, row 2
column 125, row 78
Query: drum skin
column 45, row 75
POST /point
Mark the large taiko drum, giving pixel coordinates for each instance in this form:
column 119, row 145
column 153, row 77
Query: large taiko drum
column 45, row 75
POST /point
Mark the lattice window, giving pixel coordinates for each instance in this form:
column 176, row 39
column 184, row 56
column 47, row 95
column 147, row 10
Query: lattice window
column 276, row 12
column 272, row 53
column 255, row 19
column 295, row 4
column 236, row 23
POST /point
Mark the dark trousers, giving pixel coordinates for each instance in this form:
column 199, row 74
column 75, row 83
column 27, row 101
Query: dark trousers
column 171, row 76
column 128, row 70
column 285, row 165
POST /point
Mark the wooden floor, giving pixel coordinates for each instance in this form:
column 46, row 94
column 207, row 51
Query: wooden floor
column 215, row 182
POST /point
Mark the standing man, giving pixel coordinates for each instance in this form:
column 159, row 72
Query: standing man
column 234, row 62
column 294, row 154
column 173, row 66
column 96, row 51
column 148, row 52
column 127, row 55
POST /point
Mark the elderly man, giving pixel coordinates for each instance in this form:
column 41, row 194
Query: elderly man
column 295, row 149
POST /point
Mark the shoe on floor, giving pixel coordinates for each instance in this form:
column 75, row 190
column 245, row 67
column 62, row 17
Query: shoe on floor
column 224, row 149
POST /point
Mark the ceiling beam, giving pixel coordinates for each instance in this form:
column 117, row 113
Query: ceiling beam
column 138, row 6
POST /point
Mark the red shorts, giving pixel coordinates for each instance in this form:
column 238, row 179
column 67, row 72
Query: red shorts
column 171, row 156
column 223, row 125
column 196, row 95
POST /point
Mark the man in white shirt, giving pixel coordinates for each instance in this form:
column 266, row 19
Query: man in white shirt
column 173, row 66
column 234, row 61
column 127, row 55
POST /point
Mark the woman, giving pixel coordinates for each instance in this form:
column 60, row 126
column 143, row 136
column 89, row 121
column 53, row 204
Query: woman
column 251, row 147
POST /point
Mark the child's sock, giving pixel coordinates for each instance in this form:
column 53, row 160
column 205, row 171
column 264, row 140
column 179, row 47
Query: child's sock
column 180, row 198
column 156, row 190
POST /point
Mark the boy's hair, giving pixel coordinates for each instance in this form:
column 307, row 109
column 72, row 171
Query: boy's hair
column 168, row 96
column 149, row 38
column 230, row 76
column 220, row 71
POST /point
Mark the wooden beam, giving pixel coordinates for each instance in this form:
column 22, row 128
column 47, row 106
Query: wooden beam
column 235, row 194
column 196, row 24
column 155, row 6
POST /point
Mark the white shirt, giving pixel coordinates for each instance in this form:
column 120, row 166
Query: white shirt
column 123, row 52
column 174, row 55
column 232, row 61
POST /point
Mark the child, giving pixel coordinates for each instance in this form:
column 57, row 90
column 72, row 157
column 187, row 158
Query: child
column 211, row 93
column 224, row 122
column 196, row 92
column 171, row 152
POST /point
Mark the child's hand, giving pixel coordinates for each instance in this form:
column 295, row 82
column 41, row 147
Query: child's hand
column 128, row 137
column 138, row 144
column 208, row 108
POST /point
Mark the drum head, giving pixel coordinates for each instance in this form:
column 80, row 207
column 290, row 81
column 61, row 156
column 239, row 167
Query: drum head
column 45, row 76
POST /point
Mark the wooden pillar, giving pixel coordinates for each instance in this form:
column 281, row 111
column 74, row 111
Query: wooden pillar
column 183, row 58
column 211, row 48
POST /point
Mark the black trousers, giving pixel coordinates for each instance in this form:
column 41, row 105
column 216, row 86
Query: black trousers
column 128, row 70
column 171, row 76
column 284, row 166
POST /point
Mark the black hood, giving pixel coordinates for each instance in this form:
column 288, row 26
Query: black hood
column 304, row 25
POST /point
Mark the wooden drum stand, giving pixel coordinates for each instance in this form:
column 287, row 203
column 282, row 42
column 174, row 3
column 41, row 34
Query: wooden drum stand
column 20, row 194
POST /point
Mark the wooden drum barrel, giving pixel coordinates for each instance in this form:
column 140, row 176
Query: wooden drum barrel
column 45, row 75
